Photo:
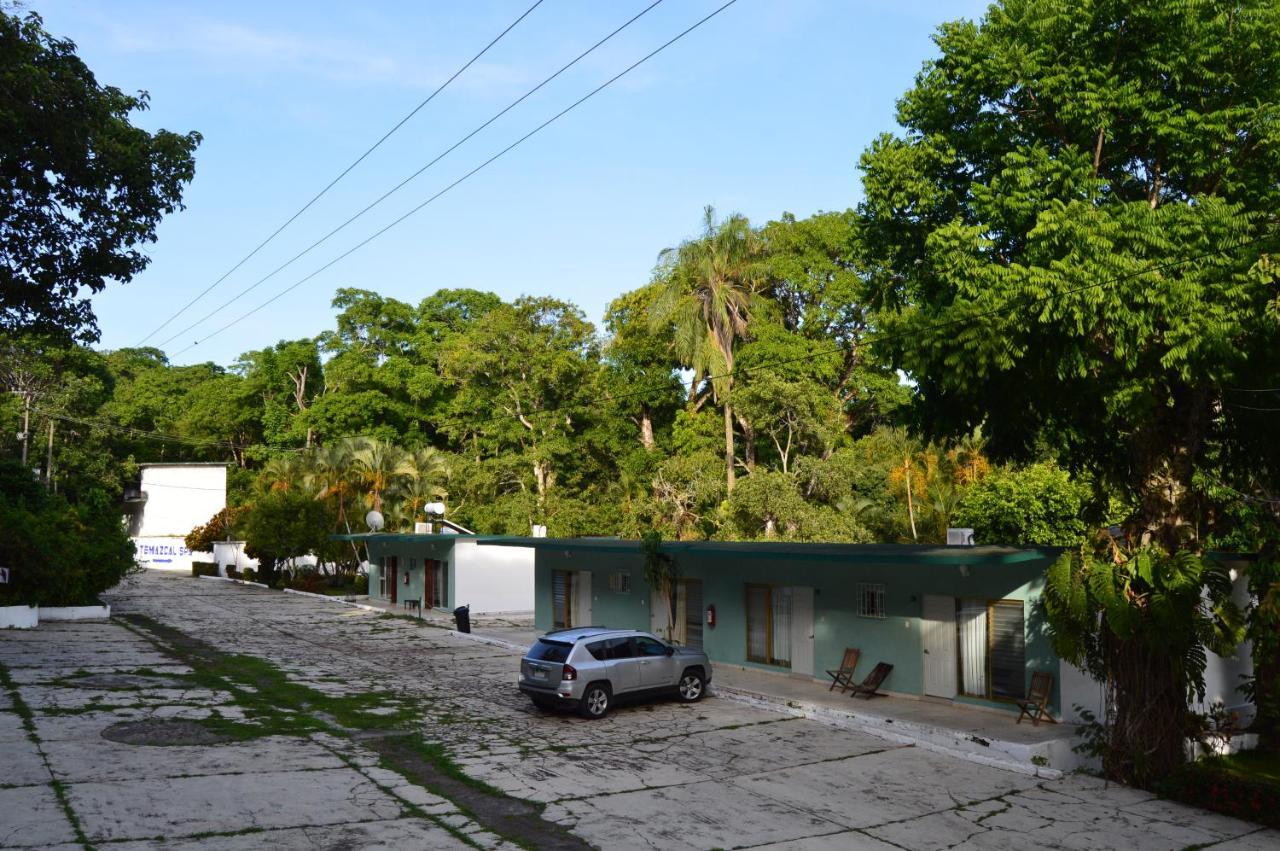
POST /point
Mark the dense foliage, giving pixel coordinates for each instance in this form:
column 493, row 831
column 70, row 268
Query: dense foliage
column 58, row 553
column 81, row 187
column 1055, row 312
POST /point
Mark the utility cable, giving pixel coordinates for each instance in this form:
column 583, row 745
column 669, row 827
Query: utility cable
column 344, row 172
column 384, row 196
column 464, row 177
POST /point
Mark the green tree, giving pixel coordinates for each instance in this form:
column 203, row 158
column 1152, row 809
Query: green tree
column 709, row 289
column 60, row 553
column 81, row 188
column 1039, row 504
column 283, row 525
column 1073, row 237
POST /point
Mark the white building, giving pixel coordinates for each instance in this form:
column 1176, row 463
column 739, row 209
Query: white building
column 172, row 500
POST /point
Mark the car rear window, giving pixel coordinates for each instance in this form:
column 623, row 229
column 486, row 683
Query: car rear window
column 550, row 651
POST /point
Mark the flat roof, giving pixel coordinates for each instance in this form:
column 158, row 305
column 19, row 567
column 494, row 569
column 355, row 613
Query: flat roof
column 185, row 464
column 846, row 553
column 414, row 537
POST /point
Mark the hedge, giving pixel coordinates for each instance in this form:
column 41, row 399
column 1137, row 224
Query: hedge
column 203, row 568
column 1201, row 785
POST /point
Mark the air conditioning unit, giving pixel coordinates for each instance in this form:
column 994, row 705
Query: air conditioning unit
column 959, row 537
column 422, row 528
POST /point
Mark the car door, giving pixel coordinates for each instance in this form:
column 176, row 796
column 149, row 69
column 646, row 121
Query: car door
column 624, row 668
column 655, row 664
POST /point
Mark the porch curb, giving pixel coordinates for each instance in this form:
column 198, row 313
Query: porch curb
column 326, row 597
column 484, row 639
column 235, row 581
column 1011, row 756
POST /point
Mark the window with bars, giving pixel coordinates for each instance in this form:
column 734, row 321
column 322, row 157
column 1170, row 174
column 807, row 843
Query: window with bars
column 620, row 582
column 871, row 599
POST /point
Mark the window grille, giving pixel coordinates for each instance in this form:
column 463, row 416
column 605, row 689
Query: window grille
column 871, row 599
column 620, row 582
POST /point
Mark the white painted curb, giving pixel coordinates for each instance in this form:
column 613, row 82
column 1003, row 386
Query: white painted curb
column 19, row 617
column 75, row 613
column 235, row 581
column 364, row 606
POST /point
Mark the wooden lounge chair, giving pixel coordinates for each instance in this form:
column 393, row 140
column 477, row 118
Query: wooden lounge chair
column 843, row 676
column 1036, row 704
column 867, row 688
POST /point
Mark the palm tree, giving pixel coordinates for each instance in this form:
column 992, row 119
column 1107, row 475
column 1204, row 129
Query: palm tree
column 428, row 472
column 710, row 289
column 329, row 474
column 378, row 467
column 281, row 472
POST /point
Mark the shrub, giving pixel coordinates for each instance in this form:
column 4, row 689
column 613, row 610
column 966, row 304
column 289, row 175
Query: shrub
column 309, row 581
column 61, row 553
column 203, row 568
column 249, row 575
column 361, row 585
column 1210, row 785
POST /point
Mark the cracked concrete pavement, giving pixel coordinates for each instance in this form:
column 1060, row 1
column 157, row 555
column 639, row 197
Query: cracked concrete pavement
column 716, row 774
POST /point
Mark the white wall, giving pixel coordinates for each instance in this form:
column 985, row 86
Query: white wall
column 493, row 579
column 1221, row 674
column 180, row 498
column 165, row 552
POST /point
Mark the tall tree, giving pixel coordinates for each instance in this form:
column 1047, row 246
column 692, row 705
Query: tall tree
column 81, row 188
column 1074, row 234
column 710, row 288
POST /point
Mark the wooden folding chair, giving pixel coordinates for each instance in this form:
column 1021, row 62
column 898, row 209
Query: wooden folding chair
column 843, row 676
column 1036, row 704
column 867, row 688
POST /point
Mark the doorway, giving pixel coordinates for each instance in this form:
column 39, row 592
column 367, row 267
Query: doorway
column 939, row 639
column 686, row 628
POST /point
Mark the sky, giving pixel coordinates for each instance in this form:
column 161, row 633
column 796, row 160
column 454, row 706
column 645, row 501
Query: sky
column 764, row 109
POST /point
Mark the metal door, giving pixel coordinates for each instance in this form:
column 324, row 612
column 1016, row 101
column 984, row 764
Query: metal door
column 655, row 665
column 939, row 639
column 802, row 630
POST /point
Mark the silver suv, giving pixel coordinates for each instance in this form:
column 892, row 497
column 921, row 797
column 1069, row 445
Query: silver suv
column 589, row 667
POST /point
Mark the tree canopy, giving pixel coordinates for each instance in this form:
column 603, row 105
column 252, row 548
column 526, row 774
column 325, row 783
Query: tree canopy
column 82, row 189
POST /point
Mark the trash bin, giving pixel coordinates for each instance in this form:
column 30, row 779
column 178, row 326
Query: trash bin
column 462, row 617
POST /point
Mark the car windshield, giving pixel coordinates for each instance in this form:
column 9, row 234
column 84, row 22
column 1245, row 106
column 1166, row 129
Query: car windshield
column 550, row 651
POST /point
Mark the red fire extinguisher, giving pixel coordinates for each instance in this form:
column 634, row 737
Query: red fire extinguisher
column 711, row 616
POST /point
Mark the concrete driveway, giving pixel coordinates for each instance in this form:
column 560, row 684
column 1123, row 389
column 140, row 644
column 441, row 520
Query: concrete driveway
column 209, row 715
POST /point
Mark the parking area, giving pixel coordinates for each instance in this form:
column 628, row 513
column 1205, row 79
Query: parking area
column 152, row 731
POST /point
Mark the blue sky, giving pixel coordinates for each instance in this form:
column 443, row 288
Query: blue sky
column 765, row 109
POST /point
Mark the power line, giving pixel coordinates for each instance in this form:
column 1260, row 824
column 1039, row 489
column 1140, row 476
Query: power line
column 344, row 172
column 137, row 432
column 377, row 201
column 466, row 176
column 871, row 338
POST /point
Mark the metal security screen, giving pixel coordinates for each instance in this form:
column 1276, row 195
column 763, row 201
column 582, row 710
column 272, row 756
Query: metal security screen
column 692, row 612
column 1008, row 651
column 561, row 594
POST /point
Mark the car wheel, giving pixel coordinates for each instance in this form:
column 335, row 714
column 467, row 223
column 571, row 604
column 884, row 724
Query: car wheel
column 595, row 702
column 692, row 686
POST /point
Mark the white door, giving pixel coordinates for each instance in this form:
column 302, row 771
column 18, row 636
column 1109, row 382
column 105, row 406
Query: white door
column 939, row 646
column 659, row 615
column 582, row 598
column 802, row 631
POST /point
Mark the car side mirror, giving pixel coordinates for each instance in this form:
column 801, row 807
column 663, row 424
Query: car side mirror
column 671, row 651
